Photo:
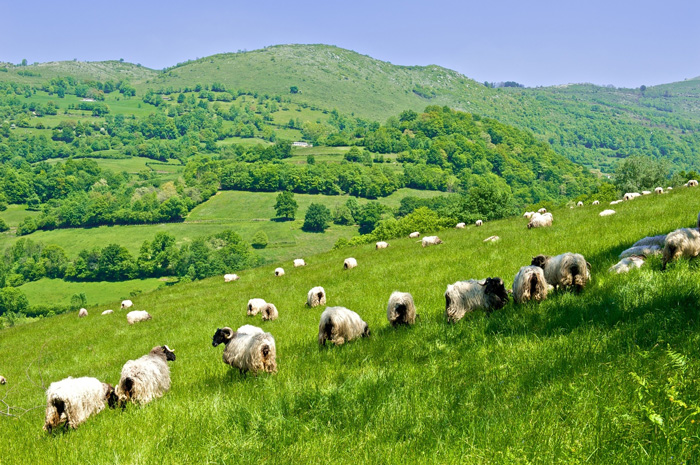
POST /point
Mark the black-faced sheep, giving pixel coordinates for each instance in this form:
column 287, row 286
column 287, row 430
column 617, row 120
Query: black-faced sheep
column 340, row 325
column 528, row 215
column 683, row 242
column 430, row 240
column 659, row 190
column 579, row 204
column 596, row 202
column 255, row 306
column 463, row 297
column 692, row 183
column 542, row 211
column 74, row 400
column 529, row 284
column 316, row 297
column 381, row 245
column 279, row 271
column 269, row 312
column 137, row 316
column 540, row 221
column 349, row 263
column 478, row 223
column 299, row 262
column 82, row 313
column 627, row 263
column 146, row 378
column 248, row 349
column 401, row 310
column 565, row 270
column 3, row 380
column 228, row 278
column 126, row 304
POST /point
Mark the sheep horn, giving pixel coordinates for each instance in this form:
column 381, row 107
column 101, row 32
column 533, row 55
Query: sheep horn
column 169, row 349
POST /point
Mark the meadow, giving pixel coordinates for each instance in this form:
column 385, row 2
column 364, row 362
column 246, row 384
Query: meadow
column 606, row 376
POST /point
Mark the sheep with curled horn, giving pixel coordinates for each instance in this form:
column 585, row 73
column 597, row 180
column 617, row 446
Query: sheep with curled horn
column 565, row 270
column 401, row 310
column 684, row 242
column 316, row 297
column 249, row 349
column 340, row 325
column 146, row 378
column 529, row 284
column 463, row 297
column 74, row 400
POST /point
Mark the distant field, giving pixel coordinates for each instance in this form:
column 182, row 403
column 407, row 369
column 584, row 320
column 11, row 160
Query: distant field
column 14, row 215
column 58, row 292
column 130, row 165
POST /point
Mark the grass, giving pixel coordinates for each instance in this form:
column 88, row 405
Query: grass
column 607, row 376
column 14, row 215
column 58, row 292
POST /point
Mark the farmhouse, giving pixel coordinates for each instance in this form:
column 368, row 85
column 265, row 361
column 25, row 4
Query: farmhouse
column 301, row 144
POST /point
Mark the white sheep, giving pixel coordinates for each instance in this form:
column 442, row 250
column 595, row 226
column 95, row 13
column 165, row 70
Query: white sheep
column 607, row 212
column 82, row 313
column 74, row 400
column 692, row 183
column 349, row 263
column 528, row 215
column 255, row 306
column 669, row 188
column 430, row 240
column 126, row 304
column 646, row 192
column 463, row 297
column 316, row 297
column 659, row 240
column 3, row 380
column 615, row 202
column 540, row 221
column 529, row 284
column 683, row 242
column 108, row 312
column 340, row 325
column 579, row 204
column 631, row 195
column 627, row 263
column 460, row 225
column 146, row 378
column 279, row 271
column 299, row 262
column 401, row 310
column 249, row 349
column 565, row 270
column 492, row 239
column 596, row 202
column 478, row 223
column 542, row 211
column 414, row 234
column 137, row 316
column 230, row 277
column 659, row 190
column 641, row 250
column 381, row 245
column 269, row 312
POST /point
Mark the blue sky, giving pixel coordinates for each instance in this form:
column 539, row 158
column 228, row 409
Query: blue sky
column 626, row 44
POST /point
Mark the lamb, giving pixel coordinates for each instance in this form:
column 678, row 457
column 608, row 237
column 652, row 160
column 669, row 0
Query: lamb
column 108, row 312
column 659, row 240
column 255, row 306
column 401, row 310
column 299, row 262
column 279, row 271
column 414, row 234
column 478, row 223
column 627, row 263
column 137, row 316
column 683, row 242
column 74, row 400
column 565, row 270
column 492, row 239
column 126, row 304
column 460, row 225
column 248, row 349
column 607, row 212
column 529, row 284
column 692, row 183
column 579, row 204
column 316, row 297
column 540, row 221
column 349, row 263
column 659, row 190
column 82, row 313
column 381, row 245
column 340, row 325
column 641, row 250
column 146, row 378
column 596, row 202
column 230, row 277
column 430, row 240
column 463, row 297
column 269, row 312
column 542, row 211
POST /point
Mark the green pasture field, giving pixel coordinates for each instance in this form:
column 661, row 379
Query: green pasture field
column 15, row 214
column 131, row 165
column 610, row 375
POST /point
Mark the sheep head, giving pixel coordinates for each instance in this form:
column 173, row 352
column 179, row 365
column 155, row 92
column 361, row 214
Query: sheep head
column 365, row 333
column 540, row 260
column 164, row 351
column 495, row 290
column 110, row 396
column 222, row 336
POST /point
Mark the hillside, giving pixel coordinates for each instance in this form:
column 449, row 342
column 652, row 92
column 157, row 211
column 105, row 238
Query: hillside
column 609, row 375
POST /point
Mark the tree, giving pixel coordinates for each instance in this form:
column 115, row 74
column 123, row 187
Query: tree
column 12, row 300
column 286, row 206
column 369, row 216
column 317, row 219
column 259, row 240
column 637, row 173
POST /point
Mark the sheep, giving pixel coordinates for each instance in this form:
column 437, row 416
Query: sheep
column 316, row 297
column 108, row 312
column 126, row 304
column 659, row 240
column 565, row 270
column 255, row 306
column 528, row 215
column 692, row 183
column 492, row 239
column 697, row 225
column 630, row 195
column 615, row 202
column 230, row 277
column 540, row 221
column 607, row 212
column 478, row 223
column 430, row 240
column 529, row 284
column 641, row 250
column 659, row 190
column 74, row 400
column 340, row 325
column 381, row 245
column 460, row 225
column 414, row 234
column 669, row 188
column 299, row 262
column 401, row 310
column 683, row 242
column 463, row 297
column 269, row 312
column 627, row 263
column 248, row 349
column 279, row 271
column 3, row 380
column 596, row 202
column 137, row 316
column 646, row 192
column 349, row 263
column 579, row 204
column 146, row 378
column 542, row 211
column 82, row 313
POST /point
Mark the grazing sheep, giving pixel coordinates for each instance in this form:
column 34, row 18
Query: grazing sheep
column 316, row 297
column 340, row 325
column 641, row 250
column 74, row 400
column 627, row 263
column 248, row 349
column 401, row 310
column 542, row 211
column 529, row 284
column 492, row 239
column 646, row 192
column 299, row 262
column 2, row 380
column 631, row 196
column 430, row 240
column 137, row 316
column 460, row 225
column 108, row 312
column 414, row 234
column 146, row 378
column 230, row 277
column 82, row 313
column 528, row 215
column 349, row 263
column 269, row 312
column 565, row 270
column 463, row 297
column 540, row 221
column 659, row 240
column 126, row 304
column 255, row 306
column 683, row 242
column 381, row 245
column 659, row 190
column 669, row 188
column 596, row 202
column 615, row 202
column 279, row 271
column 692, row 183
column 579, row 204
column 607, row 212
column 478, row 223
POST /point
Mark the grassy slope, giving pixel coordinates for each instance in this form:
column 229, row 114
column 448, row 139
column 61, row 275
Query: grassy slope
column 58, row 292
column 534, row 383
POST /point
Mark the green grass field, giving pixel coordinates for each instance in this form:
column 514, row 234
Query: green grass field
column 606, row 376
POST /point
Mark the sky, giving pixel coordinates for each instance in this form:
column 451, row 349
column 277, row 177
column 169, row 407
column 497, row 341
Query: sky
column 535, row 43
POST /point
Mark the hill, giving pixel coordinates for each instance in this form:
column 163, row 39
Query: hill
column 610, row 374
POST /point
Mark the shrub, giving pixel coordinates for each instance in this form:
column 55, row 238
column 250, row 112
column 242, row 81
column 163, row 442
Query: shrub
column 259, row 240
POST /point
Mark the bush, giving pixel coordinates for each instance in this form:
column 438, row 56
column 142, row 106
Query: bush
column 317, row 219
column 259, row 240
column 3, row 226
